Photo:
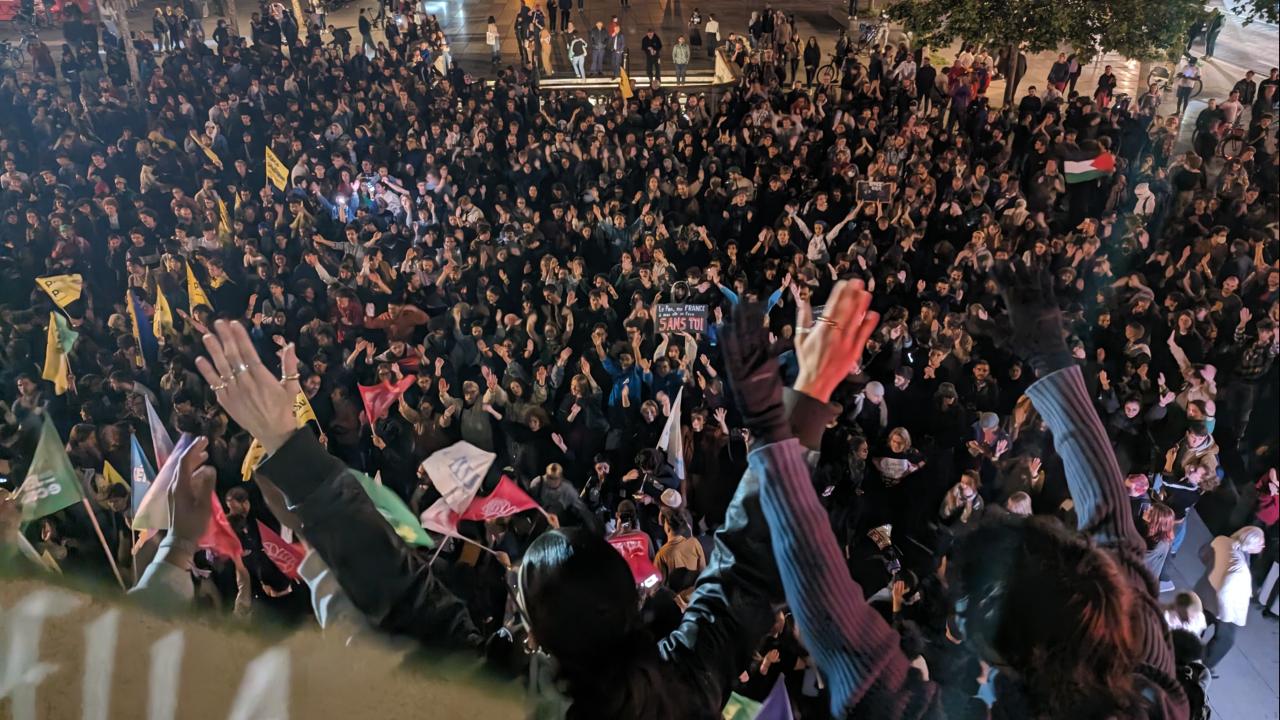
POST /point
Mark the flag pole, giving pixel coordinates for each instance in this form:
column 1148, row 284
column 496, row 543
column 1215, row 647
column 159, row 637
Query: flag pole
column 93, row 518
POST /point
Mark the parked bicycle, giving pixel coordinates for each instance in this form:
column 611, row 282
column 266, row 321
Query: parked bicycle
column 14, row 55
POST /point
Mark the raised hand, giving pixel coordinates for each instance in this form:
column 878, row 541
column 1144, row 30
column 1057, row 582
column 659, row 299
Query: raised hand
column 258, row 401
column 1033, row 311
column 832, row 348
column 191, row 499
column 753, row 372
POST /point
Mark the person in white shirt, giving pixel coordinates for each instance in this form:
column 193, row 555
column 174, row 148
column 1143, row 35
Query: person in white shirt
column 1229, row 588
column 712, row 39
column 1231, row 108
column 906, row 70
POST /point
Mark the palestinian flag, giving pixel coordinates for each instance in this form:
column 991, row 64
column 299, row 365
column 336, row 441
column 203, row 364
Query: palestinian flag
column 1085, row 169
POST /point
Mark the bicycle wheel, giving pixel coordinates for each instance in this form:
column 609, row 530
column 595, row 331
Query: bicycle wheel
column 1231, row 146
column 826, row 74
column 1199, row 88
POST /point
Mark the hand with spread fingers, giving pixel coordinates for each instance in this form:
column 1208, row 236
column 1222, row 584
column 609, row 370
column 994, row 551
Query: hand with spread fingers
column 258, row 401
column 1033, row 311
column 753, row 373
column 831, row 348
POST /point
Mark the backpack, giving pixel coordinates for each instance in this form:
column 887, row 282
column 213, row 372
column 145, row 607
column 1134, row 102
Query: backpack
column 1194, row 678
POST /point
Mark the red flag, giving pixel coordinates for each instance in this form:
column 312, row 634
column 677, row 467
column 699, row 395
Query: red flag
column 286, row 556
column 634, row 547
column 506, row 499
column 218, row 536
column 378, row 399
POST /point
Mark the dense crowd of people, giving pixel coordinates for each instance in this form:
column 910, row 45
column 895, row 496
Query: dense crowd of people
column 1001, row 325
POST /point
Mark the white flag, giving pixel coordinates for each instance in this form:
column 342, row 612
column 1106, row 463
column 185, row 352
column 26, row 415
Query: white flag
column 160, row 440
column 153, row 508
column 457, row 472
column 672, row 440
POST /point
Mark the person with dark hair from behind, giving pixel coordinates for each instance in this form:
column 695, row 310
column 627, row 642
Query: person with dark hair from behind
column 1193, row 674
column 575, row 592
column 1068, row 619
column 680, row 559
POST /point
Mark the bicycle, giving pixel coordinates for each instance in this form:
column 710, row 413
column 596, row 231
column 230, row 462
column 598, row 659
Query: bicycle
column 1228, row 140
column 1162, row 77
column 828, row 73
column 1232, row 143
column 14, row 56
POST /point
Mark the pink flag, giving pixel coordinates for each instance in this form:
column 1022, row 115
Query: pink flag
column 634, row 547
column 379, row 398
column 506, row 499
column 286, row 556
column 439, row 518
column 219, row 536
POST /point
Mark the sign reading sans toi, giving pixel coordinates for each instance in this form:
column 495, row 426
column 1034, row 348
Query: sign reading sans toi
column 681, row 317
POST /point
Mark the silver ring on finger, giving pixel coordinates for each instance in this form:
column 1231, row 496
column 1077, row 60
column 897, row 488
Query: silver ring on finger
column 239, row 370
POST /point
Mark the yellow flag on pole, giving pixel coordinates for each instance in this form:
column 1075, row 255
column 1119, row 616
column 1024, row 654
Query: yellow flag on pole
column 251, row 459
column 624, row 84
column 111, row 476
column 162, row 320
column 277, row 173
column 63, row 289
column 195, row 293
column 224, row 220
column 57, row 363
column 302, row 410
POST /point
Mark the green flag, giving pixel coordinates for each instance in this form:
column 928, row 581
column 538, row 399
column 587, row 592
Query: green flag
column 396, row 512
column 51, row 483
column 740, row 708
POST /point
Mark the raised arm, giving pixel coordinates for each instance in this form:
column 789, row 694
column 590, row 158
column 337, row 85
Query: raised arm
column 855, row 649
column 1093, row 475
column 732, row 606
column 389, row 582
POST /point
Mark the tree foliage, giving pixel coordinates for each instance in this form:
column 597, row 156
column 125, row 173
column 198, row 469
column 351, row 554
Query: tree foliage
column 1250, row 10
column 1142, row 29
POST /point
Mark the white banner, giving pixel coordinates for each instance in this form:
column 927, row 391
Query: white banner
column 457, row 472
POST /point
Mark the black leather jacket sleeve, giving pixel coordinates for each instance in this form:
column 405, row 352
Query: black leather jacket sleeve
column 733, row 603
column 385, row 578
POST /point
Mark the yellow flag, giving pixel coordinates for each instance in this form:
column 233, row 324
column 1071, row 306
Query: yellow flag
column 302, row 410
column 64, row 289
column 251, row 459
column 162, row 320
column 111, row 476
column 57, row 366
column 277, row 173
column 195, row 293
column 624, row 84
column 224, row 220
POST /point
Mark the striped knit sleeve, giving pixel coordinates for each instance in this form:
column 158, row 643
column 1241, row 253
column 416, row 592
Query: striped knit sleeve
column 1093, row 475
column 855, row 649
